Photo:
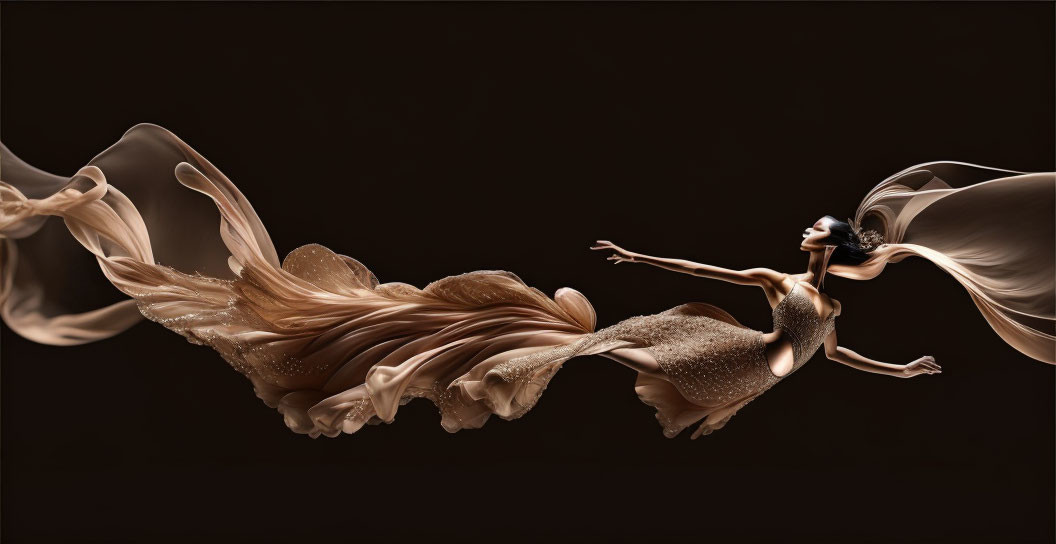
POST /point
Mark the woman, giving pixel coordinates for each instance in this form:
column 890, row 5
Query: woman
column 332, row 348
column 721, row 365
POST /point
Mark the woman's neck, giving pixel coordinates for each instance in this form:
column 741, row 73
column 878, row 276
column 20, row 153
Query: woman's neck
column 815, row 269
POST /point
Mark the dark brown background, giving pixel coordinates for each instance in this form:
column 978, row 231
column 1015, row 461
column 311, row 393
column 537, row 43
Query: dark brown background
column 429, row 140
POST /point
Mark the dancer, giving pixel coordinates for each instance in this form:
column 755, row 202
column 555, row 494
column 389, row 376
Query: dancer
column 332, row 348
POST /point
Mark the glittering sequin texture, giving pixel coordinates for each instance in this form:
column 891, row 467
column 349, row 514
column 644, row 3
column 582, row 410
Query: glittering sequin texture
column 797, row 317
column 711, row 362
column 711, row 367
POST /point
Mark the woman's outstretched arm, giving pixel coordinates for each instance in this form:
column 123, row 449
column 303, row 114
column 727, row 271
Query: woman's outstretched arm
column 924, row 365
column 752, row 276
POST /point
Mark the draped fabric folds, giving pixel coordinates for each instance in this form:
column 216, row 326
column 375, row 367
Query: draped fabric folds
column 993, row 230
column 319, row 337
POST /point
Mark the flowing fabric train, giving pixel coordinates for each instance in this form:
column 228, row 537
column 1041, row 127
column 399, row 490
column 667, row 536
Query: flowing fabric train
column 319, row 337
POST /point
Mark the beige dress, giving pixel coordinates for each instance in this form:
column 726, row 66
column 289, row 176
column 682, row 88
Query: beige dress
column 332, row 348
column 712, row 364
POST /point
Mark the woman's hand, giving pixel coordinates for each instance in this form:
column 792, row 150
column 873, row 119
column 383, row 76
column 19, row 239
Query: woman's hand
column 620, row 255
column 924, row 365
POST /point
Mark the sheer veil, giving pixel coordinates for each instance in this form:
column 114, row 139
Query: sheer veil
column 993, row 230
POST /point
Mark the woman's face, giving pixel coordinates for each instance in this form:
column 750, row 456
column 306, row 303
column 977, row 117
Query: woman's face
column 813, row 236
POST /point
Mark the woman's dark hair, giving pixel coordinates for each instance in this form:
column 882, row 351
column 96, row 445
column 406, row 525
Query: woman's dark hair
column 852, row 247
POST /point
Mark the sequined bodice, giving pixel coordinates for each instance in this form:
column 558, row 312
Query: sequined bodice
column 798, row 318
column 713, row 361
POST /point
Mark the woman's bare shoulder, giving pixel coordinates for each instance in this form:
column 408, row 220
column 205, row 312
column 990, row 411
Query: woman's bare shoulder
column 777, row 286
